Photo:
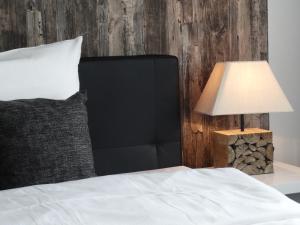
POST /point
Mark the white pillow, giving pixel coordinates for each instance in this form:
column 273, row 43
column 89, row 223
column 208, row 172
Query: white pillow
column 46, row 71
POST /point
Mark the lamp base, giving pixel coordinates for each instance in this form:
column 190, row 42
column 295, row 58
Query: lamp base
column 250, row 151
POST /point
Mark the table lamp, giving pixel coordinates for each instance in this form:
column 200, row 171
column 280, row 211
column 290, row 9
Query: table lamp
column 243, row 87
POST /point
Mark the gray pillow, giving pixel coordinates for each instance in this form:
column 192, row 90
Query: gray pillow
column 44, row 141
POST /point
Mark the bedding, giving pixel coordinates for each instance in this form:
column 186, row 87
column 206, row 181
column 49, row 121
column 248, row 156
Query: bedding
column 178, row 196
column 44, row 141
column 46, row 71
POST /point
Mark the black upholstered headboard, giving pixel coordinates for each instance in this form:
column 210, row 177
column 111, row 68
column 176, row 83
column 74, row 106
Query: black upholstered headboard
column 133, row 109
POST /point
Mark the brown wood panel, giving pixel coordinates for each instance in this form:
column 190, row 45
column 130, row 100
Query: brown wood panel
column 198, row 32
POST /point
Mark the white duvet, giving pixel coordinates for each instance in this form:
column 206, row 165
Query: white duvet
column 178, row 196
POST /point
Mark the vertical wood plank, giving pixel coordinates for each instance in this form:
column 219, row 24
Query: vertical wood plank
column 12, row 24
column 79, row 9
column 155, row 27
column 65, row 20
column 34, row 27
column 102, row 27
column 60, row 23
column 138, row 27
column 117, row 40
column 6, row 27
column 48, row 14
column 92, row 35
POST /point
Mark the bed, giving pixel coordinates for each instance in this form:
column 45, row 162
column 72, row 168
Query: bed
column 134, row 122
column 133, row 111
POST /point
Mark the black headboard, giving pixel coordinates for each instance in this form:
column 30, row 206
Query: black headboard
column 133, row 109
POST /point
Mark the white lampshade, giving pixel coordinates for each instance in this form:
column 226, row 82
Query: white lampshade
column 242, row 88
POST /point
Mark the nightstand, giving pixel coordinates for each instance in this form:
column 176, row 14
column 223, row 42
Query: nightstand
column 286, row 179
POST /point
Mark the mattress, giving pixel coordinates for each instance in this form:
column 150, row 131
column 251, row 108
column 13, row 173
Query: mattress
column 174, row 196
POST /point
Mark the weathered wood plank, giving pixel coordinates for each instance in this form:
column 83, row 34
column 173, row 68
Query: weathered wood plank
column 102, row 28
column 48, row 13
column 6, row 27
column 139, row 27
column 116, row 37
column 34, row 27
column 92, row 29
column 155, row 33
column 82, row 22
column 12, row 24
column 198, row 32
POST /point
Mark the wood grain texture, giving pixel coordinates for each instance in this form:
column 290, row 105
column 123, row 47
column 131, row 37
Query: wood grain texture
column 198, row 32
column 250, row 151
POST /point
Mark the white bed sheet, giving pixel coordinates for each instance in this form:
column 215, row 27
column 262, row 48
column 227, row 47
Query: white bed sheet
column 177, row 196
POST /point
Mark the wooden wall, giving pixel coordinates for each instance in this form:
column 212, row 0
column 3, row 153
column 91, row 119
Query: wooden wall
column 198, row 32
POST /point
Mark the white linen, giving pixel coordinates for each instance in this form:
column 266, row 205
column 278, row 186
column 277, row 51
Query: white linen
column 46, row 71
column 178, row 196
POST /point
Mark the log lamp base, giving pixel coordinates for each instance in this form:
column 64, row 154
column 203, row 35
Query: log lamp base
column 250, row 151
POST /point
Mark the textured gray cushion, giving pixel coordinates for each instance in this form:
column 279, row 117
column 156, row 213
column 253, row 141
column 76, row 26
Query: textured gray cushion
column 44, row 141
